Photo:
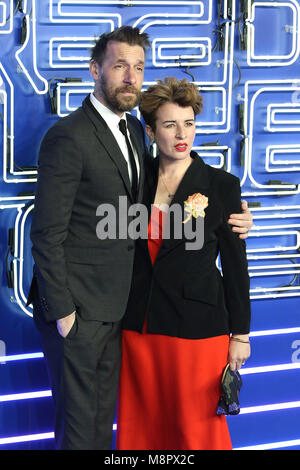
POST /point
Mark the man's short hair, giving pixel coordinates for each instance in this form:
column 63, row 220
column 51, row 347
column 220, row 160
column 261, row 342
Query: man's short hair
column 127, row 34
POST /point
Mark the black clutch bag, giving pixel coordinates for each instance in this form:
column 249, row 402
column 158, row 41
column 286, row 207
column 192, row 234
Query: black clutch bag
column 230, row 389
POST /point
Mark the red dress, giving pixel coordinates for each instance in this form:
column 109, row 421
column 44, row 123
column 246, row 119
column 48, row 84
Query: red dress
column 170, row 387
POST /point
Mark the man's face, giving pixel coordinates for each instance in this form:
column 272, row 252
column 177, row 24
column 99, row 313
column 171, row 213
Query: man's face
column 118, row 81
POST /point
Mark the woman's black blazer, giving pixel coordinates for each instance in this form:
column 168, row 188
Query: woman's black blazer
column 184, row 294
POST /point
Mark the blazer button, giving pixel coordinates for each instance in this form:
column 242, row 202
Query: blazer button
column 130, row 247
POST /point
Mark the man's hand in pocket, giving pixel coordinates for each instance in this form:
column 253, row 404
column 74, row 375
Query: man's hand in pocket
column 65, row 324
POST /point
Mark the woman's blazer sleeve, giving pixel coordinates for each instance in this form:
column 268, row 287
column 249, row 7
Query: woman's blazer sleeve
column 234, row 264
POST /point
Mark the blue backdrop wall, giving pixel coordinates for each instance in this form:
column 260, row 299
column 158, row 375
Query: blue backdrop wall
column 244, row 56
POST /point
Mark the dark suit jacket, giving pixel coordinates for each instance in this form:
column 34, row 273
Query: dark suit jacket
column 80, row 167
column 183, row 293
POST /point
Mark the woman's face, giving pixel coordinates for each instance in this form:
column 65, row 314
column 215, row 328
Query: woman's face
column 175, row 131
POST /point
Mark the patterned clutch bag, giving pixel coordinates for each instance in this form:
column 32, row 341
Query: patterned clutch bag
column 230, row 389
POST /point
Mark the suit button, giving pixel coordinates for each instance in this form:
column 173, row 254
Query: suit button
column 130, row 247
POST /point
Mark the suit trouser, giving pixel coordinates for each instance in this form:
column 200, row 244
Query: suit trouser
column 84, row 372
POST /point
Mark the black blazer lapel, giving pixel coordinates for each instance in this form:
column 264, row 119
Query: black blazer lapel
column 195, row 180
column 107, row 139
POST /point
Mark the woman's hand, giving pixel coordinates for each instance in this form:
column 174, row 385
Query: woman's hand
column 239, row 351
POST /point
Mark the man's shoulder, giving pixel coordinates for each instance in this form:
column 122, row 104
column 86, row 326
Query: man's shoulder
column 132, row 118
column 134, row 121
column 73, row 121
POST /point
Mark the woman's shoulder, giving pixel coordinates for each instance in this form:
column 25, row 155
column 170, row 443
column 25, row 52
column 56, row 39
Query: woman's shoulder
column 215, row 175
column 222, row 178
column 224, row 187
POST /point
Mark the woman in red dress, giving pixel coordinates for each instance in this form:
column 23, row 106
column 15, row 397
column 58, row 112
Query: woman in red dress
column 184, row 320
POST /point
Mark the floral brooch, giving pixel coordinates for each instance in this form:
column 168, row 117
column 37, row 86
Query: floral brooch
column 195, row 206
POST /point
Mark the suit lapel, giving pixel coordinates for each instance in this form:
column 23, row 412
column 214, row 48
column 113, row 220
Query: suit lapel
column 195, row 180
column 107, row 140
column 140, row 151
column 150, row 184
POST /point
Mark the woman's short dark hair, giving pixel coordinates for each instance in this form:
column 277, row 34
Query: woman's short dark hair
column 170, row 90
column 127, row 34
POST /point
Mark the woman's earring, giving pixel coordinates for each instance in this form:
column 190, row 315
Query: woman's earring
column 151, row 151
column 153, row 148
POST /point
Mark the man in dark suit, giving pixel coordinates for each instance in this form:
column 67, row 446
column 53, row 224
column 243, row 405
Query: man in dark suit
column 81, row 284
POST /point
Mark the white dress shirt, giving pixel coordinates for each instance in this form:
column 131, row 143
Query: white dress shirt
column 112, row 120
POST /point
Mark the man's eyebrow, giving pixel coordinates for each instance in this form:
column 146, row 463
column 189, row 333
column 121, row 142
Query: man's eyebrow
column 124, row 61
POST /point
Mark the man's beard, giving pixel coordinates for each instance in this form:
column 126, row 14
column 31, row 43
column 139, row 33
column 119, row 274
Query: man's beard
column 115, row 99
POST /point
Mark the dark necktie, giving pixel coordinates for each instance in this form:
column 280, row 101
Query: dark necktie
column 134, row 182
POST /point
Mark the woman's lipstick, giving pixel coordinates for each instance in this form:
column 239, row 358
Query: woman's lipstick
column 181, row 147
